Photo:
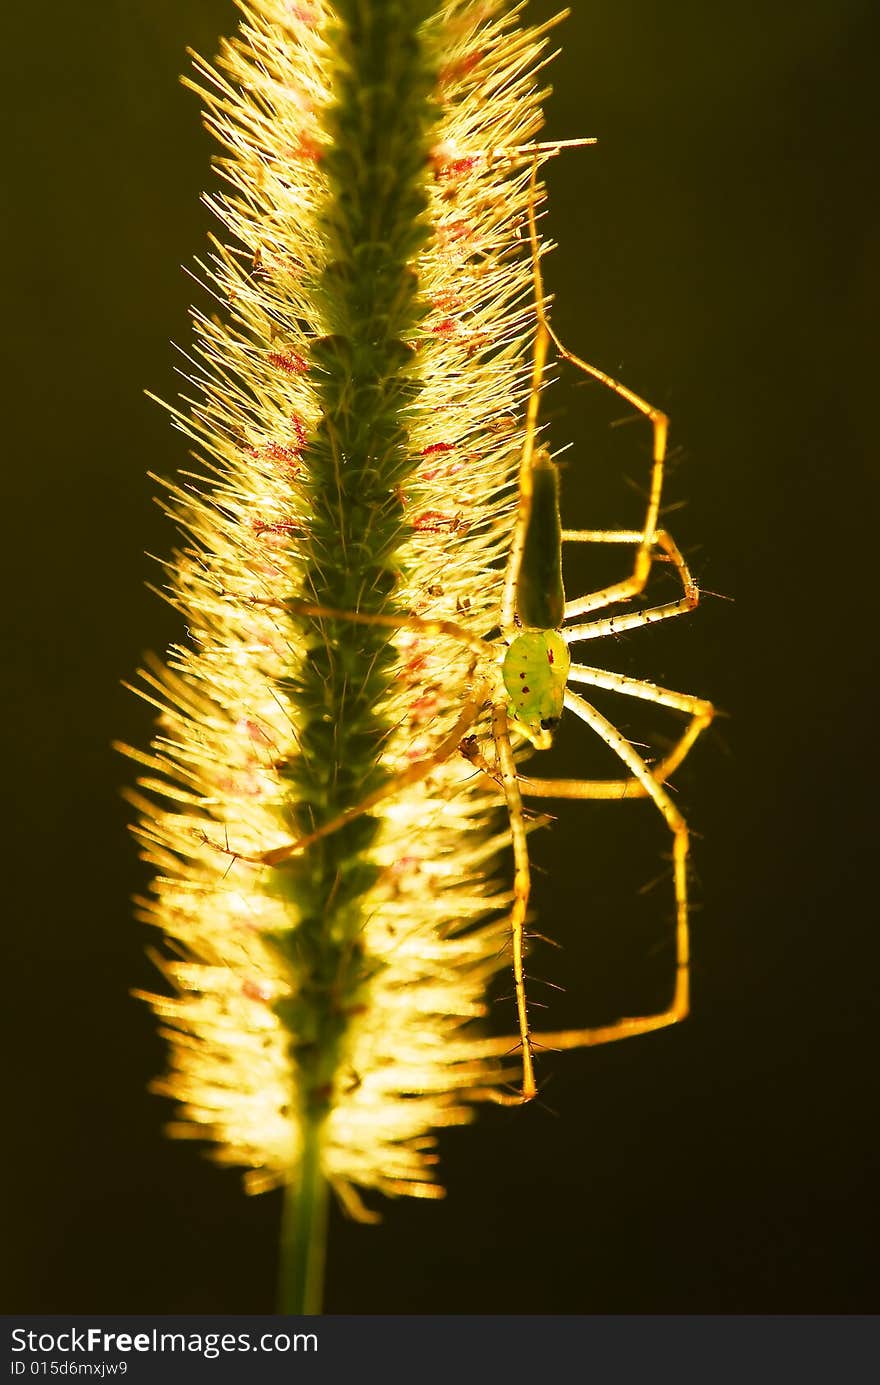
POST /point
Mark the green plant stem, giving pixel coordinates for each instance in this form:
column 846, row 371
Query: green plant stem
column 304, row 1231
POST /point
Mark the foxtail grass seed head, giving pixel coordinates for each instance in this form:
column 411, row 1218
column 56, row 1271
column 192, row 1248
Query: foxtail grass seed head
column 356, row 402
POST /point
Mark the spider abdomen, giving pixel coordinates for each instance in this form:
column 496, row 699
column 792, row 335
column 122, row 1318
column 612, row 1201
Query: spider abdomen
column 535, row 671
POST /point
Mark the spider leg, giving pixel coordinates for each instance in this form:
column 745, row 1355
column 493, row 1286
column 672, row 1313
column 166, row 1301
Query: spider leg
column 679, row 1005
column 701, row 714
column 645, row 537
column 697, row 707
column 651, row 788
column 487, row 691
column 412, row 775
column 401, row 622
column 616, row 625
column 606, row 596
column 644, row 781
column 522, row 883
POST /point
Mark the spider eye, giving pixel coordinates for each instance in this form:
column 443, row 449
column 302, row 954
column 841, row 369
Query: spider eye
column 549, row 723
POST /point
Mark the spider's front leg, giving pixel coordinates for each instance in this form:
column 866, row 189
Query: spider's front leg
column 617, row 625
column 487, row 691
column 648, row 538
column 698, row 709
column 413, row 774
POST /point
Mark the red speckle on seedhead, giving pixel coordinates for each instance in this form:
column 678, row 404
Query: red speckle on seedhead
column 453, row 232
column 282, row 527
column 424, row 708
column 289, row 361
column 449, row 164
column 439, row 522
column 273, row 451
column 435, row 452
column 403, row 866
column 244, row 784
column 299, row 429
column 406, row 863
column 308, row 149
column 450, row 328
column 454, row 71
column 257, row 990
column 447, row 299
column 415, row 664
column 442, row 472
column 251, row 729
column 447, row 328
column 304, row 13
column 277, row 452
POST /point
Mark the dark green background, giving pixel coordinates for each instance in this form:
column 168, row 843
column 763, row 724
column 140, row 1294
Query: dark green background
column 720, row 250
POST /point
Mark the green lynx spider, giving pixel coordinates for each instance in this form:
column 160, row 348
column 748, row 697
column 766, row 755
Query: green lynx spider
column 528, row 687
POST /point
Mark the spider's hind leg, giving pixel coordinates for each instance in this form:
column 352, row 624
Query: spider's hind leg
column 680, row 1003
column 645, row 782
